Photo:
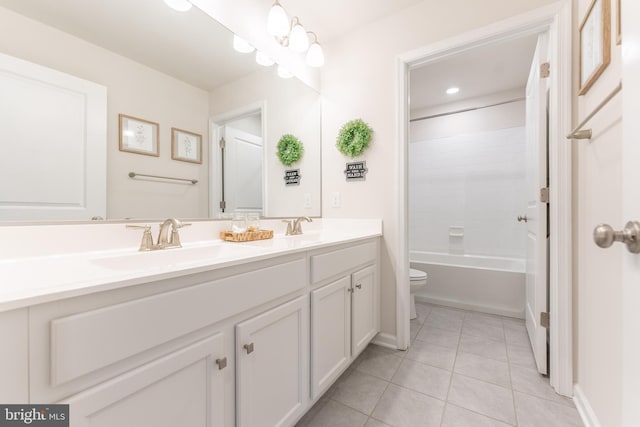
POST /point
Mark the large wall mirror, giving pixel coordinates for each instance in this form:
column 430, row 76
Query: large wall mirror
column 178, row 73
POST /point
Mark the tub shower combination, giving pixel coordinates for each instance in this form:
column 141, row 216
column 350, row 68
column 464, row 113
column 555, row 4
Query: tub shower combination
column 473, row 282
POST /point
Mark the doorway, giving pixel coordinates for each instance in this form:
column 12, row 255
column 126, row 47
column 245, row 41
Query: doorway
column 536, row 22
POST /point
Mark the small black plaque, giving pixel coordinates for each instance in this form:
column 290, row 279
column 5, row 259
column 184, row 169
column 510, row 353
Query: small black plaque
column 356, row 171
column 292, row 177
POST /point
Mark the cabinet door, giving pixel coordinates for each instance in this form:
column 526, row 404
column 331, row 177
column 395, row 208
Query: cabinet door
column 330, row 333
column 272, row 359
column 364, row 308
column 184, row 388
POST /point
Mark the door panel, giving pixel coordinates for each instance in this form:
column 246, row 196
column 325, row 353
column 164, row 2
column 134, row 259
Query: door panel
column 242, row 171
column 364, row 309
column 536, row 170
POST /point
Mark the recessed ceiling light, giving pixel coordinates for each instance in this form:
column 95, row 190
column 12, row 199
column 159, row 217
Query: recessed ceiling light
column 453, row 90
column 241, row 45
column 179, row 5
column 264, row 59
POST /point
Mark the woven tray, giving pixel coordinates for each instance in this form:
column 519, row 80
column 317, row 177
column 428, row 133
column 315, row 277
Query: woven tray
column 247, row 236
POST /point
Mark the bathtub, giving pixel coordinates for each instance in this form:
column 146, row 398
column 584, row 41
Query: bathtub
column 473, row 282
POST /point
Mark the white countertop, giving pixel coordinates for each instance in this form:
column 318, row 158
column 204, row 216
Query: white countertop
column 46, row 263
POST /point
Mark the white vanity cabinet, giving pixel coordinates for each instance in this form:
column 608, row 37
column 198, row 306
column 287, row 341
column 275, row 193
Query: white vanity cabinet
column 14, row 368
column 272, row 370
column 344, row 312
column 185, row 387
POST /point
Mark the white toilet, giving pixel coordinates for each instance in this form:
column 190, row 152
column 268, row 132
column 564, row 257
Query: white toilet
column 418, row 280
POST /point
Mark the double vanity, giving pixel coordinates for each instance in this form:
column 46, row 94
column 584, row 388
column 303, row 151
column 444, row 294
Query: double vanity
column 210, row 334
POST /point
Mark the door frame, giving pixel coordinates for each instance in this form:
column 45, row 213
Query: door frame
column 215, row 159
column 557, row 19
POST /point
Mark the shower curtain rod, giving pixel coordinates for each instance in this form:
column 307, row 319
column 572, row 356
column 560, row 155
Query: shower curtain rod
column 465, row 110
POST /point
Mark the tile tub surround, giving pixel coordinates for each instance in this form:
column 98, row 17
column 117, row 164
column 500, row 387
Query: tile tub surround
column 43, row 263
column 462, row 376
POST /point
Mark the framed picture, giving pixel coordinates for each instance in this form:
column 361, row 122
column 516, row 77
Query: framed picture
column 138, row 136
column 595, row 43
column 186, row 146
column 619, row 22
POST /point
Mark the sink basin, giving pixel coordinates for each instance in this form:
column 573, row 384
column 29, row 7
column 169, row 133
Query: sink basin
column 175, row 257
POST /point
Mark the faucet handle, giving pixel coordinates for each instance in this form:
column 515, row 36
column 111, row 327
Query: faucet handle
column 175, row 236
column 147, row 239
column 289, row 231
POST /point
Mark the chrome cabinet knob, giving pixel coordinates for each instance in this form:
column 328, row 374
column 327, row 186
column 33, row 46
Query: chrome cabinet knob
column 522, row 218
column 604, row 236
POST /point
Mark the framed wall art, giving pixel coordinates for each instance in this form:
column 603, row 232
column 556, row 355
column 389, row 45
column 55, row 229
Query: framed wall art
column 186, row 146
column 619, row 22
column 595, row 43
column 138, row 136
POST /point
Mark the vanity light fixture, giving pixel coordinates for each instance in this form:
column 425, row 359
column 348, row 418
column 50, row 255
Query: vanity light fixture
column 241, row 45
column 315, row 55
column 284, row 73
column 278, row 21
column 453, row 90
column 264, row 59
column 179, row 5
column 293, row 35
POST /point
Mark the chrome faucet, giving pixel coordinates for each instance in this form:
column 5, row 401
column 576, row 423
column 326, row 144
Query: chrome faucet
column 165, row 241
column 294, row 226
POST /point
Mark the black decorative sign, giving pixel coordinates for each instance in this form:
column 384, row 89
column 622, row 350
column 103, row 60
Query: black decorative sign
column 356, row 171
column 292, row 177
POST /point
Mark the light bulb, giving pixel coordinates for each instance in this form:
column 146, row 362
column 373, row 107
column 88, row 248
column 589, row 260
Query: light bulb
column 315, row 55
column 277, row 21
column 241, row 45
column 298, row 39
column 284, row 73
column 264, row 59
column 179, row 5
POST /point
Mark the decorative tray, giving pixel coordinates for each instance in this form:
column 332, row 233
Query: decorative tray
column 247, row 236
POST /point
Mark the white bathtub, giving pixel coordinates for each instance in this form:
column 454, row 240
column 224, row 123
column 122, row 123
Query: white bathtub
column 473, row 282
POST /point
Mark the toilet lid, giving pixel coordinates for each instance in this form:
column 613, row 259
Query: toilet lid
column 417, row 274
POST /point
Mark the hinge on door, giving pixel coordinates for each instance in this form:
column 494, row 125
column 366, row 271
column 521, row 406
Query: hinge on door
column 544, row 319
column 545, row 70
column 222, row 143
column 223, row 204
column 544, row 195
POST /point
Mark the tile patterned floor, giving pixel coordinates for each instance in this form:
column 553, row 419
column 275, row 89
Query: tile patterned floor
column 463, row 369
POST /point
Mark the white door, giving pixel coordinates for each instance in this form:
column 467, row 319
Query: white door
column 53, row 144
column 242, row 171
column 272, row 354
column 536, row 215
column 631, row 209
column 364, row 308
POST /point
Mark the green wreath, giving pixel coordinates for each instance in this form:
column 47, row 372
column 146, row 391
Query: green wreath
column 290, row 149
column 354, row 138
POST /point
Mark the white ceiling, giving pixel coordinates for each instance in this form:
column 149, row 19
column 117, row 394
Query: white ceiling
column 333, row 18
column 481, row 71
column 190, row 46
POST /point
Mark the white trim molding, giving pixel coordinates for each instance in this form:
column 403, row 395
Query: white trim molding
column 557, row 19
column 587, row 414
column 385, row 340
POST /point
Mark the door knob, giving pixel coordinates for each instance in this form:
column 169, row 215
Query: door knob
column 604, row 236
column 522, row 218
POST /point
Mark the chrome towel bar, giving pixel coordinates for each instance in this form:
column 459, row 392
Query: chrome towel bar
column 134, row 174
column 578, row 132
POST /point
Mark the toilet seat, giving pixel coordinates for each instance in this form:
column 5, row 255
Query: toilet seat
column 417, row 277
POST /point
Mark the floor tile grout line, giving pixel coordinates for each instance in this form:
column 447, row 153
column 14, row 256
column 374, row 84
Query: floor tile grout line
column 453, row 370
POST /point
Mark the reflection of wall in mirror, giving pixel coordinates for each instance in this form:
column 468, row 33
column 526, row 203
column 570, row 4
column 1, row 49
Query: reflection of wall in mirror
column 135, row 90
column 291, row 107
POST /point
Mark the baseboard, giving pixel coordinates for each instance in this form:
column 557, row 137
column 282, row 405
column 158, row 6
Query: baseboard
column 385, row 340
column 584, row 408
column 518, row 314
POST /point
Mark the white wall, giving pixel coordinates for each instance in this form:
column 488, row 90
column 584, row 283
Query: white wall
column 359, row 80
column 134, row 90
column 291, row 107
column 597, row 272
column 475, row 181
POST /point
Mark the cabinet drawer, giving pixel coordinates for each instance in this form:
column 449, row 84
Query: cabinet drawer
column 324, row 266
column 85, row 342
